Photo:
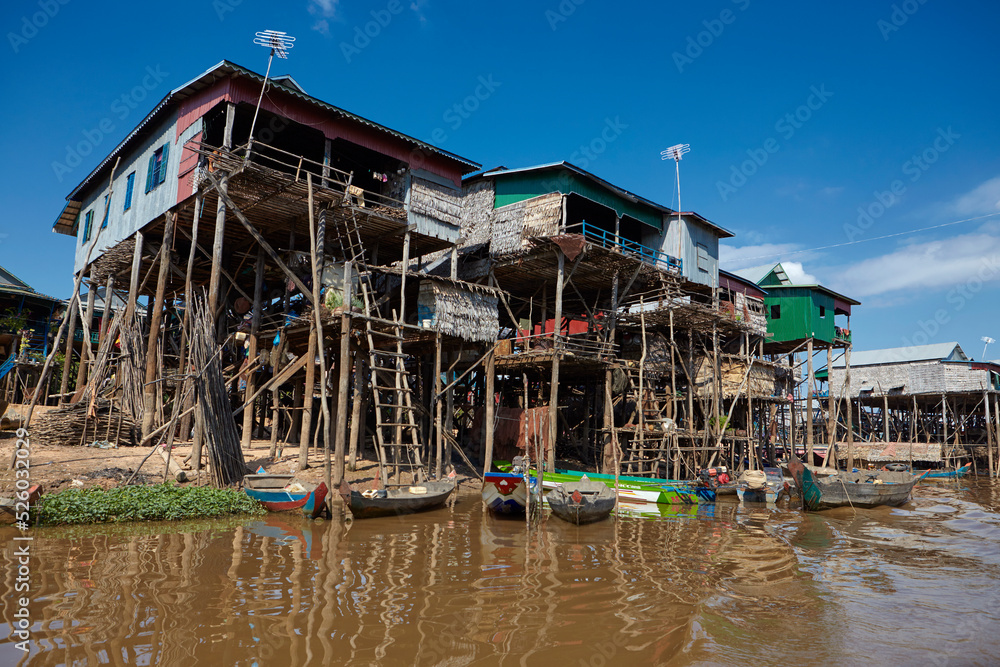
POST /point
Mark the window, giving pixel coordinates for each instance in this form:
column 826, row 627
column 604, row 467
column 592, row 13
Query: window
column 107, row 210
column 822, row 311
column 157, row 171
column 703, row 259
column 88, row 221
column 129, row 185
column 775, row 312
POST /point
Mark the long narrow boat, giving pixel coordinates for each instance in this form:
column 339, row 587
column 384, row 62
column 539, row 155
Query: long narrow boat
column 397, row 500
column 945, row 474
column 639, row 489
column 507, row 492
column 857, row 489
column 14, row 508
column 585, row 501
column 282, row 493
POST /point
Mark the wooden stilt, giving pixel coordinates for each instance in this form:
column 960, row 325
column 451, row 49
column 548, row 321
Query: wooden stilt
column 251, row 379
column 156, row 317
column 68, row 360
column 489, row 399
column 850, row 409
column 557, row 350
column 810, row 379
column 309, row 391
column 357, row 412
column 133, row 286
column 344, row 363
column 87, row 349
column 438, row 435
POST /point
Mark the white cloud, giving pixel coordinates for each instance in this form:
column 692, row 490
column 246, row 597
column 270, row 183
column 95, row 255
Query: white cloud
column 324, row 10
column 797, row 274
column 926, row 265
column 984, row 198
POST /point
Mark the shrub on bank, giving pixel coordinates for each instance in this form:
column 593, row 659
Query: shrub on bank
column 157, row 502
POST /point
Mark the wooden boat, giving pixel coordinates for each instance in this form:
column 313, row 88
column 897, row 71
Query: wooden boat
column 638, row 489
column 507, row 492
column 857, row 489
column 11, row 508
column 396, row 500
column 283, row 493
column 770, row 492
column 584, row 501
column 944, row 474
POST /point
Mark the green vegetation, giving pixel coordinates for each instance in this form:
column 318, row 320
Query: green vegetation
column 12, row 321
column 158, row 502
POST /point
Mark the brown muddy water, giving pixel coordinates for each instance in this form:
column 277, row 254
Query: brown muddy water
column 723, row 584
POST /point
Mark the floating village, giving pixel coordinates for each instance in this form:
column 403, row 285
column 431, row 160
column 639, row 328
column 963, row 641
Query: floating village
column 275, row 295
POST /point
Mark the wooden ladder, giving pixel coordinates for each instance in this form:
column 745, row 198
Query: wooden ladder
column 397, row 433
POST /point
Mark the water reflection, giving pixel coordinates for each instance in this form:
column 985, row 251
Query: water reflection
column 663, row 585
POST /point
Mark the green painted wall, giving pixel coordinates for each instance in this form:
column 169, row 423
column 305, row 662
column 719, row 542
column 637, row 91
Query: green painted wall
column 800, row 314
column 513, row 188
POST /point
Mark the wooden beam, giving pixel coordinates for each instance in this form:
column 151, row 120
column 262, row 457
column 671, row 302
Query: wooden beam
column 557, row 351
column 133, row 287
column 261, row 240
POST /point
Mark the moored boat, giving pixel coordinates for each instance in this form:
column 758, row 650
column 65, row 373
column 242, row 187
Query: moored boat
column 857, row 489
column 583, row 501
column 283, row 493
column 506, row 492
column 944, row 474
column 638, row 489
column 396, row 500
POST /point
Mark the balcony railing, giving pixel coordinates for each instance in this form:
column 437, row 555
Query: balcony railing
column 612, row 241
column 841, row 334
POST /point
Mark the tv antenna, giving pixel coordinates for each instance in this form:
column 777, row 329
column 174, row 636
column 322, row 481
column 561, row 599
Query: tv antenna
column 675, row 153
column 987, row 340
column 280, row 44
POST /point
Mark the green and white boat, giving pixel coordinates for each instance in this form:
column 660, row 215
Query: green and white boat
column 633, row 489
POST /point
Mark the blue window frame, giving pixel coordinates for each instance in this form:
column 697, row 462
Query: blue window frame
column 129, row 186
column 88, row 222
column 107, row 210
column 156, row 173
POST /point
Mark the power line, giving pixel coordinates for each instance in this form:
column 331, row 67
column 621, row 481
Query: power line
column 874, row 238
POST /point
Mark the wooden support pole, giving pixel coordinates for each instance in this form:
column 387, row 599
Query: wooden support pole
column 215, row 277
column 133, row 285
column 989, row 432
column 109, row 290
column 357, row 412
column 68, row 360
column 296, row 421
column 344, row 364
column 831, row 422
column 189, row 296
column 156, row 318
column 438, row 435
column 885, row 417
column 308, row 391
column 557, row 350
column 251, row 379
column 490, row 405
column 996, row 432
column 850, row 409
column 809, row 401
column 275, row 419
column 87, row 351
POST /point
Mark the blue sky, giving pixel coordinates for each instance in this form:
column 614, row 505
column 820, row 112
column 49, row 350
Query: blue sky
column 812, row 125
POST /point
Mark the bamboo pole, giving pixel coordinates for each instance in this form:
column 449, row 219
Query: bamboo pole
column 345, row 375
column 490, row 408
column 357, row 413
column 989, row 433
column 850, row 409
column 318, row 321
column 251, row 379
column 438, row 436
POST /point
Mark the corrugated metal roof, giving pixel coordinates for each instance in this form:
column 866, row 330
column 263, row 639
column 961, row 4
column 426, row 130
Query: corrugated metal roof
column 620, row 192
column 900, row 355
column 225, row 69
